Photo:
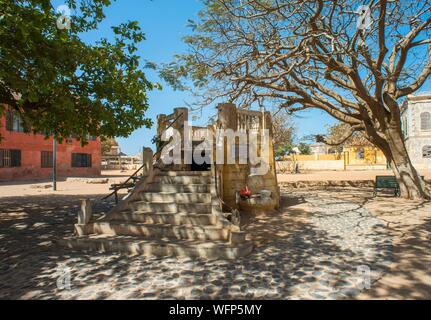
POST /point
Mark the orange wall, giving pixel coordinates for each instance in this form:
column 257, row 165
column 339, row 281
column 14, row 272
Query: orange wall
column 31, row 146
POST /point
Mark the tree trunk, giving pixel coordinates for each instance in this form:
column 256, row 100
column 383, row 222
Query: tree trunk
column 411, row 185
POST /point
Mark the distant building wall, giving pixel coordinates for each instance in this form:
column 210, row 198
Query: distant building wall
column 357, row 155
column 313, row 157
column 416, row 120
column 30, row 148
column 353, row 158
column 319, row 148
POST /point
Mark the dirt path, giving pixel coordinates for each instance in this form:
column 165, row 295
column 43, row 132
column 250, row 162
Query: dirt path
column 70, row 186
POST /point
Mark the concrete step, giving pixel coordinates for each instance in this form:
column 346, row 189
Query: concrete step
column 167, row 218
column 183, row 179
column 158, row 231
column 176, row 197
column 160, row 247
column 145, row 206
column 184, row 173
column 180, row 188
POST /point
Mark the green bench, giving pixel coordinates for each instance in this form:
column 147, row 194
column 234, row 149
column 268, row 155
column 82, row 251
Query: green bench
column 388, row 182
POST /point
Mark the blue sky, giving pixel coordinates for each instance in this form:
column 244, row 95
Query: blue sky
column 165, row 23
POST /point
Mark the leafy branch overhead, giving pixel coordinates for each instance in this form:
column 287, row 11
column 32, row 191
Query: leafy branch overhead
column 58, row 83
column 301, row 54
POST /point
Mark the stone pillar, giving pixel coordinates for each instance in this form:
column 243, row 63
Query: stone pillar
column 147, row 161
column 181, row 115
column 179, row 124
column 227, row 119
column 227, row 116
column 86, row 212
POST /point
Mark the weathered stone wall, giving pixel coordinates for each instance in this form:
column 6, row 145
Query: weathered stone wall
column 234, row 177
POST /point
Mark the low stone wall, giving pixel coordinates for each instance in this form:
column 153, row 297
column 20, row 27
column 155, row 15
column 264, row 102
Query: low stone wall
column 339, row 184
column 325, row 165
column 357, row 167
column 325, row 184
column 122, row 167
column 287, row 166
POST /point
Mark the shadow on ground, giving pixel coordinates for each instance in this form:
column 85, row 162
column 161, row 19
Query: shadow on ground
column 409, row 277
column 293, row 258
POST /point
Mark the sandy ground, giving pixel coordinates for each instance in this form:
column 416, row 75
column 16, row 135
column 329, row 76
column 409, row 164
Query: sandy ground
column 32, row 215
column 80, row 186
column 340, row 175
column 70, row 186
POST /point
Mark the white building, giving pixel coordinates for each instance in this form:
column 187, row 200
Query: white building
column 416, row 122
column 319, row 148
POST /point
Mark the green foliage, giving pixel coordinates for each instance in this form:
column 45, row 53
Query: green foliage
column 286, row 149
column 283, row 150
column 304, row 148
column 59, row 84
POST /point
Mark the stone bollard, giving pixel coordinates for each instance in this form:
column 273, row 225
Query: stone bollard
column 237, row 237
column 147, row 157
column 86, row 212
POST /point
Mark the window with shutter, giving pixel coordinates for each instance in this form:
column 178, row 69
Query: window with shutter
column 15, row 158
column 81, row 160
column 2, row 157
column 360, row 154
column 425, row 121
column 10, row 158
column 9, row 121
column 14, row 122
column 47, row 159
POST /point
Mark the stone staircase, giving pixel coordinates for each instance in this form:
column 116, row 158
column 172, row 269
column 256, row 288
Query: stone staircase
column 176, row 213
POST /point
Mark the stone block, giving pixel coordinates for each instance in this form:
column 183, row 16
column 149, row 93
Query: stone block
column 237, row 237
column 86, row 212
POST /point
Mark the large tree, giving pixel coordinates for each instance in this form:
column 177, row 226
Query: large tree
column 355, row 63
column 58, row 83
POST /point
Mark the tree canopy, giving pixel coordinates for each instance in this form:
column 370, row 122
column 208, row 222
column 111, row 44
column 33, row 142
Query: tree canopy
column 58, row 83
column 283, row 133
column 356, row 63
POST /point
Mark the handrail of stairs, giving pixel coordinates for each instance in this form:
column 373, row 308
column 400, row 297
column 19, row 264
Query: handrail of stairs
column 126, row 184
column 123, row 185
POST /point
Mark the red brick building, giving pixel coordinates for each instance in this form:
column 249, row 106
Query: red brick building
column 28, row 156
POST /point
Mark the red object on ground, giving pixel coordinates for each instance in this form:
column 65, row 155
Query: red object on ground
column 245, row 192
